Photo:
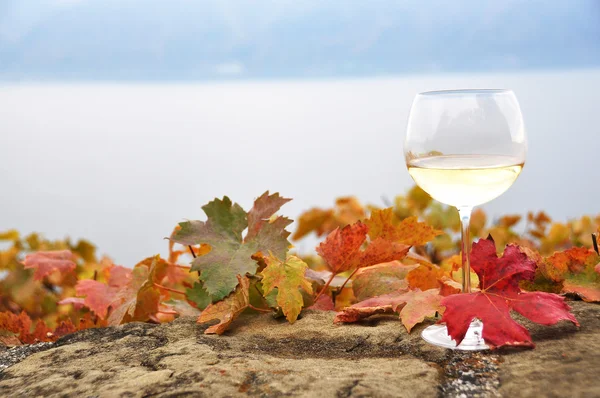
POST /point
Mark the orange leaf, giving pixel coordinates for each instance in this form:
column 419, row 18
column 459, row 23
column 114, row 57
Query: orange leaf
column 342, row 249
column 414, row 306
column 342, row 246
column 409, row 231
column 425, row 277
column 509, row 220
column 318, row 220
column 227, row 309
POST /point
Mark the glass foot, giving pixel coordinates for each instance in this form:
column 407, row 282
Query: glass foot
column 473, row 341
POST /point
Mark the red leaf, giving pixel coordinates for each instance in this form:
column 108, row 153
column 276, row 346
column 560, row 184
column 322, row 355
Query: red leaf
column 44, row 263
column 21, row 326
column 323, row 303
column 342, row 245
column 99, row 296
column 500, row 294
column 342, row 249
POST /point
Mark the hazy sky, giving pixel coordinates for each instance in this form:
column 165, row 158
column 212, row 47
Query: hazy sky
column 209, row 39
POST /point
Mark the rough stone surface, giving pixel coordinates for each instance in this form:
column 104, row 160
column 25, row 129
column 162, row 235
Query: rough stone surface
column 266, row 357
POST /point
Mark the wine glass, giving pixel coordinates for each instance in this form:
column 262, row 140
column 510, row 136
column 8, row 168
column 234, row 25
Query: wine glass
column 464, row 148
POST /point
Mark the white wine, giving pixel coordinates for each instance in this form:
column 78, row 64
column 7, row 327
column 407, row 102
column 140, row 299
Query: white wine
column 465, row 180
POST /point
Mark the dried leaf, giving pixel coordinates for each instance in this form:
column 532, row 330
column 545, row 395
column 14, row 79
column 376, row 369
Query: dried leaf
column 228, row 309
column 414, row 306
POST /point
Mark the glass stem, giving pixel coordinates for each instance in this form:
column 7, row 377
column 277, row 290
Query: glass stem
column 465, row 247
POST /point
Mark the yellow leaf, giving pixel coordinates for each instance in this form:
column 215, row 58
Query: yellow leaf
column 409, row 231
column 287, row 277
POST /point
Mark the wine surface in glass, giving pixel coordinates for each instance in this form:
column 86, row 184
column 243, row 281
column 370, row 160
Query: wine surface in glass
column 465, row 180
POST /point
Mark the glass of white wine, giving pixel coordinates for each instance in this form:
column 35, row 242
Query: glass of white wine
column 464, row 148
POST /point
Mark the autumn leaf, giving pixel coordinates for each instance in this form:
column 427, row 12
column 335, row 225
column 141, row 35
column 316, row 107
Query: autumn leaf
column 342, row 249
column 264, row 207
column 499, row 295
column 449, row 286
column 98, row 296
column 46, row 262
column 409, row 231
column 319, row 220
column 288, row 278
column 577, row 269
column 21, row 327
column 227, row 310
column 230, row 255
column 140, row 298
column 11, row 234
column 413, row 306
column 182, row 307
column 380, row 279
column 478, row 221
column 425, row 277
column 323, row 303
column 509, row 220
column 348, row 210
column 342, row 246
column 198, row 295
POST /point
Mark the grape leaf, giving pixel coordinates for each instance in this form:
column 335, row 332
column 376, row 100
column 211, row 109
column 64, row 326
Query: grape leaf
column 230, row 255
column 264, row 207
column 11, row 234
column 449, row 286
column 139, row 299
column 500, row 293
column 99, row 296
column 318, row 220
column 347, row 210
column 287, row 277
column 342, row 249
column 413, row 306
column 228, row 309
column 21, row 326
column 182, row 307
column 509, row 220
column 323, row 303
column 425, row 277
column 46, row 262
column 409, row 231
column 577, row 269
column 380, row 279
column 198, row 295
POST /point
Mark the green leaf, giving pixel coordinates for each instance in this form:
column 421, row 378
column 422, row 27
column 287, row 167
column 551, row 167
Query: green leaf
column 198, row 296
column 230, row 255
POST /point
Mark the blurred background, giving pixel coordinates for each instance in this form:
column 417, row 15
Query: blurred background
column 119, row 119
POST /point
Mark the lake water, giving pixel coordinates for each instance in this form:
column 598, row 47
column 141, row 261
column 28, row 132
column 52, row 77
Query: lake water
column 121, row 164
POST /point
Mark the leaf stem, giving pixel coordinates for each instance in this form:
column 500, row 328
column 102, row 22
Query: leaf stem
column 346, row 281
column 168, row 289
column 168, row 312
column 258, row 309
column 325, row 287
column 192, row 251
